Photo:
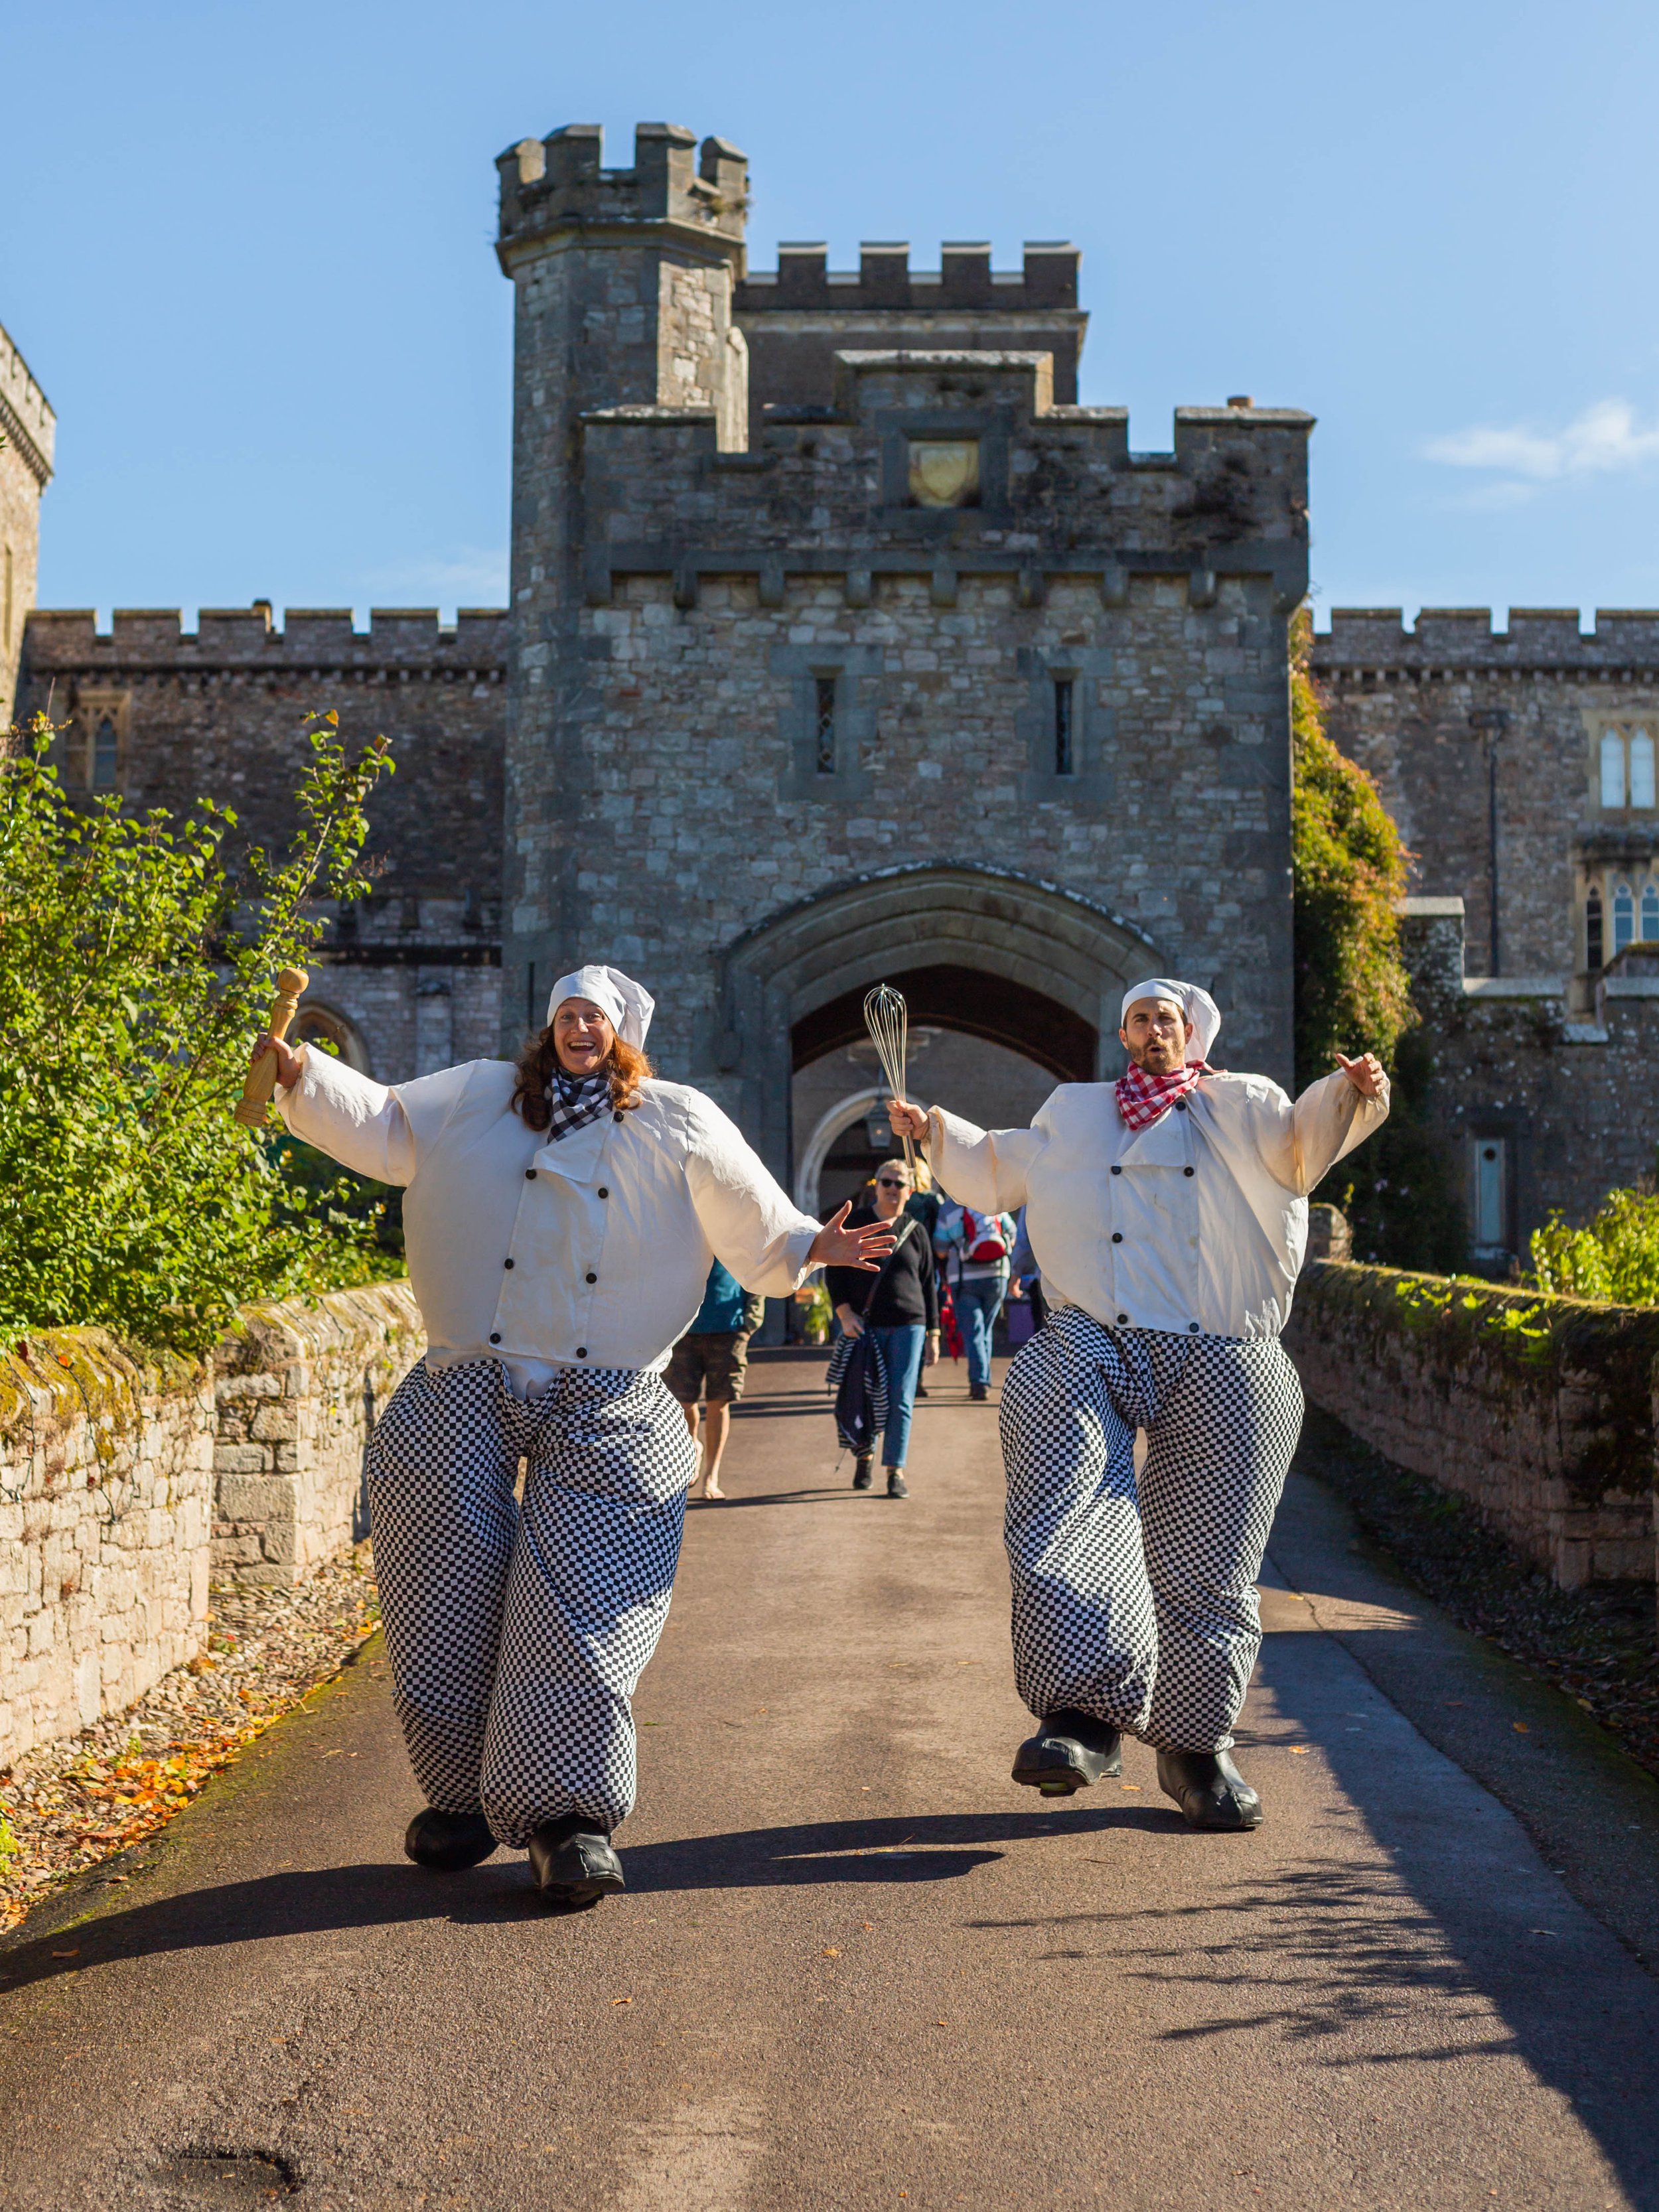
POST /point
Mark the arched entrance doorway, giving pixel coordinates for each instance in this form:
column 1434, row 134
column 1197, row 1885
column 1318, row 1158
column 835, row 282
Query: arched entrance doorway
column 979, row 951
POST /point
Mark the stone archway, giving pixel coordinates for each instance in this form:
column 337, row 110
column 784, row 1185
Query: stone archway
column 999, row 955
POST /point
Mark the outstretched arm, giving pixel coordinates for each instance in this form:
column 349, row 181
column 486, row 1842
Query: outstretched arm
column 985, row 1169
column 863, row 1248
column 356, row 1121
column 1330, row 1118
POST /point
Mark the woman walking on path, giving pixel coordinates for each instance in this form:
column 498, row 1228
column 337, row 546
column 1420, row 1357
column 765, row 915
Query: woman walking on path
column 562, row 1215
column 899, row 1307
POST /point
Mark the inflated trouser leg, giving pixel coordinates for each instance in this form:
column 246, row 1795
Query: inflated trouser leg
column 1135, row 1601
column 516, row 1637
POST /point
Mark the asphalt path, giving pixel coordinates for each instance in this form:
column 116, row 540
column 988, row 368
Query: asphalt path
column 855, row 1967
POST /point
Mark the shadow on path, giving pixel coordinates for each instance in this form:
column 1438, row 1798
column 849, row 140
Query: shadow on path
column 322, row 1899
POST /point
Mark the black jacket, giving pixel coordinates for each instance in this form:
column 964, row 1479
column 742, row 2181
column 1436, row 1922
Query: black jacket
column 908, row 1292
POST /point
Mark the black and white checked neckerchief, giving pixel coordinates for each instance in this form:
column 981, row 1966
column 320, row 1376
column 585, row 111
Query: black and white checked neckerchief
column 575, row 1101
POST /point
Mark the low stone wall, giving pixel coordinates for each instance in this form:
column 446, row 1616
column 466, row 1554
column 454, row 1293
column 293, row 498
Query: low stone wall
column 296, row 1391
column 1539, row 1410
column 126, row 1480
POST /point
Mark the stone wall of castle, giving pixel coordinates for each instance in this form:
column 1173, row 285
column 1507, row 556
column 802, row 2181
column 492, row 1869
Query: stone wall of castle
column 746, row 683
column 1486, row 747
column 167, row 715
column 28, row 430
column 1565, row 1098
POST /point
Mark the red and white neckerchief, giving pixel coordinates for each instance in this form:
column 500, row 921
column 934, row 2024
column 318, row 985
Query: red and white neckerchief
column 1143, row 1099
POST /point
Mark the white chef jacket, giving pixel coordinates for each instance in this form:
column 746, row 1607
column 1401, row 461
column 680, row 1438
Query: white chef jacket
column 1196, row 1225
column 592, row 1252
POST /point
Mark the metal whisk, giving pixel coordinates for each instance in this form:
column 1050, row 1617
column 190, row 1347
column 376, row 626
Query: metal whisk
column 888, row 1020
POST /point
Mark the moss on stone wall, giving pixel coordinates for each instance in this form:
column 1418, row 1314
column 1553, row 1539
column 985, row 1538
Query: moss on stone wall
column 1541, row 1348
column 88, row 1376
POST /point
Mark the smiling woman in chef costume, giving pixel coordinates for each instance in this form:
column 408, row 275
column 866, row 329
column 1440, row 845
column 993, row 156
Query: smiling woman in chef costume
column 1168, row 1214
column 562, row 1216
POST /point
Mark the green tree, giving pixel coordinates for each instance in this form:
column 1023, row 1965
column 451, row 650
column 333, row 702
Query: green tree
column 1352, row 991
column 136, row 969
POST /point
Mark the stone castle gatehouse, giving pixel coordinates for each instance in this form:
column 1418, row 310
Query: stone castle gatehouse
column 843, row 645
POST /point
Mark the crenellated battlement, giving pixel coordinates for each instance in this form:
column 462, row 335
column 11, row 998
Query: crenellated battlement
column 26, row 414
column 1467, row 637
column 885, row 282
column 560, row 183
column 410, row 640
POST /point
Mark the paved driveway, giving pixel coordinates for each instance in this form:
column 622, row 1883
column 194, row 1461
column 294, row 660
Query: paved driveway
column 855, row 1967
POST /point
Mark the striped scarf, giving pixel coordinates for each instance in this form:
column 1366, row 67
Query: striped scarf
column 1143, row 1099
column 575, row 1101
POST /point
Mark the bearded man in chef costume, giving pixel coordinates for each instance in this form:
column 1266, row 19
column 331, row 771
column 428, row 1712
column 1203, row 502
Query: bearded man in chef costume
column 1168, row 1214
column 560, row 1216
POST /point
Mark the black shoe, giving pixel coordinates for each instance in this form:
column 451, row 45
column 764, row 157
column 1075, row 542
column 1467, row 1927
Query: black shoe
column 977, row 1393
column 896, row 1486
column 923, row 1390
column 861, row 1472
column 573, row 1861
column 448, row 1841
column 1070, row 1751
column 1209, row 1788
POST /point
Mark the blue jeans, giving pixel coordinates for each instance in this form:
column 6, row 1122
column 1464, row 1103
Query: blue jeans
column 978, row 1304
column 901, row 1355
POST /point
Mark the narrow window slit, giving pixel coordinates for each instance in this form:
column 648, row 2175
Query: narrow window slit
column 1065, row 698
column 824, row 725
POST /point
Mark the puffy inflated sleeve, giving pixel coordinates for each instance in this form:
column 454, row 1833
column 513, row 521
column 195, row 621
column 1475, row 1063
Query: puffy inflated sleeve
column 356, row 1121
column 752, row 1225
column 986, row 1169
column 1299, row 1144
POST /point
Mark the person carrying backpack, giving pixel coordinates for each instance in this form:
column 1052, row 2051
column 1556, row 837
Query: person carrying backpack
column 979, row 1245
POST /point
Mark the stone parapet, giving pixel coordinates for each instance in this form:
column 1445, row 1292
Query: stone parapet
column 248, row 641
column 126, row 1480
column 297, row 1389
column 1539, row 1410
column 1376, row 638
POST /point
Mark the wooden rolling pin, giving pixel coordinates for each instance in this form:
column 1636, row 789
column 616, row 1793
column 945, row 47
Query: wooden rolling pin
column 261, row 1081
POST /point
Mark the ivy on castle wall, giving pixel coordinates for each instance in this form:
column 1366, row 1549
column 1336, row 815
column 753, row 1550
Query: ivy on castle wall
column 1353, row 990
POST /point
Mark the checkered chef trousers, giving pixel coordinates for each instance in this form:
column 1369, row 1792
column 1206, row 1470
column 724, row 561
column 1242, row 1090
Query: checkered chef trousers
column 516, row 1633
column 1135, row 1600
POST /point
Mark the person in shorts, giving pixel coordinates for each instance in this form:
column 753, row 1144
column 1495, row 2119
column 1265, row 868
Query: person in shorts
column 710, row 1361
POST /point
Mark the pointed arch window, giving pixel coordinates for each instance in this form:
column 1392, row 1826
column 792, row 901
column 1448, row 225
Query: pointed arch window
column 1594, row 952
column 1641, row 768
column 1624, row 916
column 1650, row 911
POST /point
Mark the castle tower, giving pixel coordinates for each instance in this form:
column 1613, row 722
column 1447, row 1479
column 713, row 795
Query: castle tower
column 28, row 428
column 625, row 282
column 900, row 665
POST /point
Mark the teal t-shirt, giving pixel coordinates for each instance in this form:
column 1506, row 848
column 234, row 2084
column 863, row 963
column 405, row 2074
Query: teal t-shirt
column 723, row 1304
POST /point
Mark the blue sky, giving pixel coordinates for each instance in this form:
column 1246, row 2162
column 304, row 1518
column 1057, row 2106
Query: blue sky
column 247, row 253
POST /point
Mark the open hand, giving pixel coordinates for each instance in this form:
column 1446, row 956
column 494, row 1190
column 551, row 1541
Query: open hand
column 288, row 1062
column 865, row 1247
column 1365, row 1073
column 908, row 1121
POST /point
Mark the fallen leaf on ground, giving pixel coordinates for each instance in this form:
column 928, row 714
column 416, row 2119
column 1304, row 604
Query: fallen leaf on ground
column 616, row 2001
column 830, row 1951
column 1521, row 1727
column 1298, row 1751
column 1131, row 1785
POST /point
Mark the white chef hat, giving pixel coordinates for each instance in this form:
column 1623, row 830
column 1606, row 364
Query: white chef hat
column 1199, row 1008
column 628, row 1005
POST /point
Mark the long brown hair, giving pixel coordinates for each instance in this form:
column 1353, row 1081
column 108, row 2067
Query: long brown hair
column 625, row 1064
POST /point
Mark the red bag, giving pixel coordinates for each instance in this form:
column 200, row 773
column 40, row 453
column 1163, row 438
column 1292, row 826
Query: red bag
column 983, row 1239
